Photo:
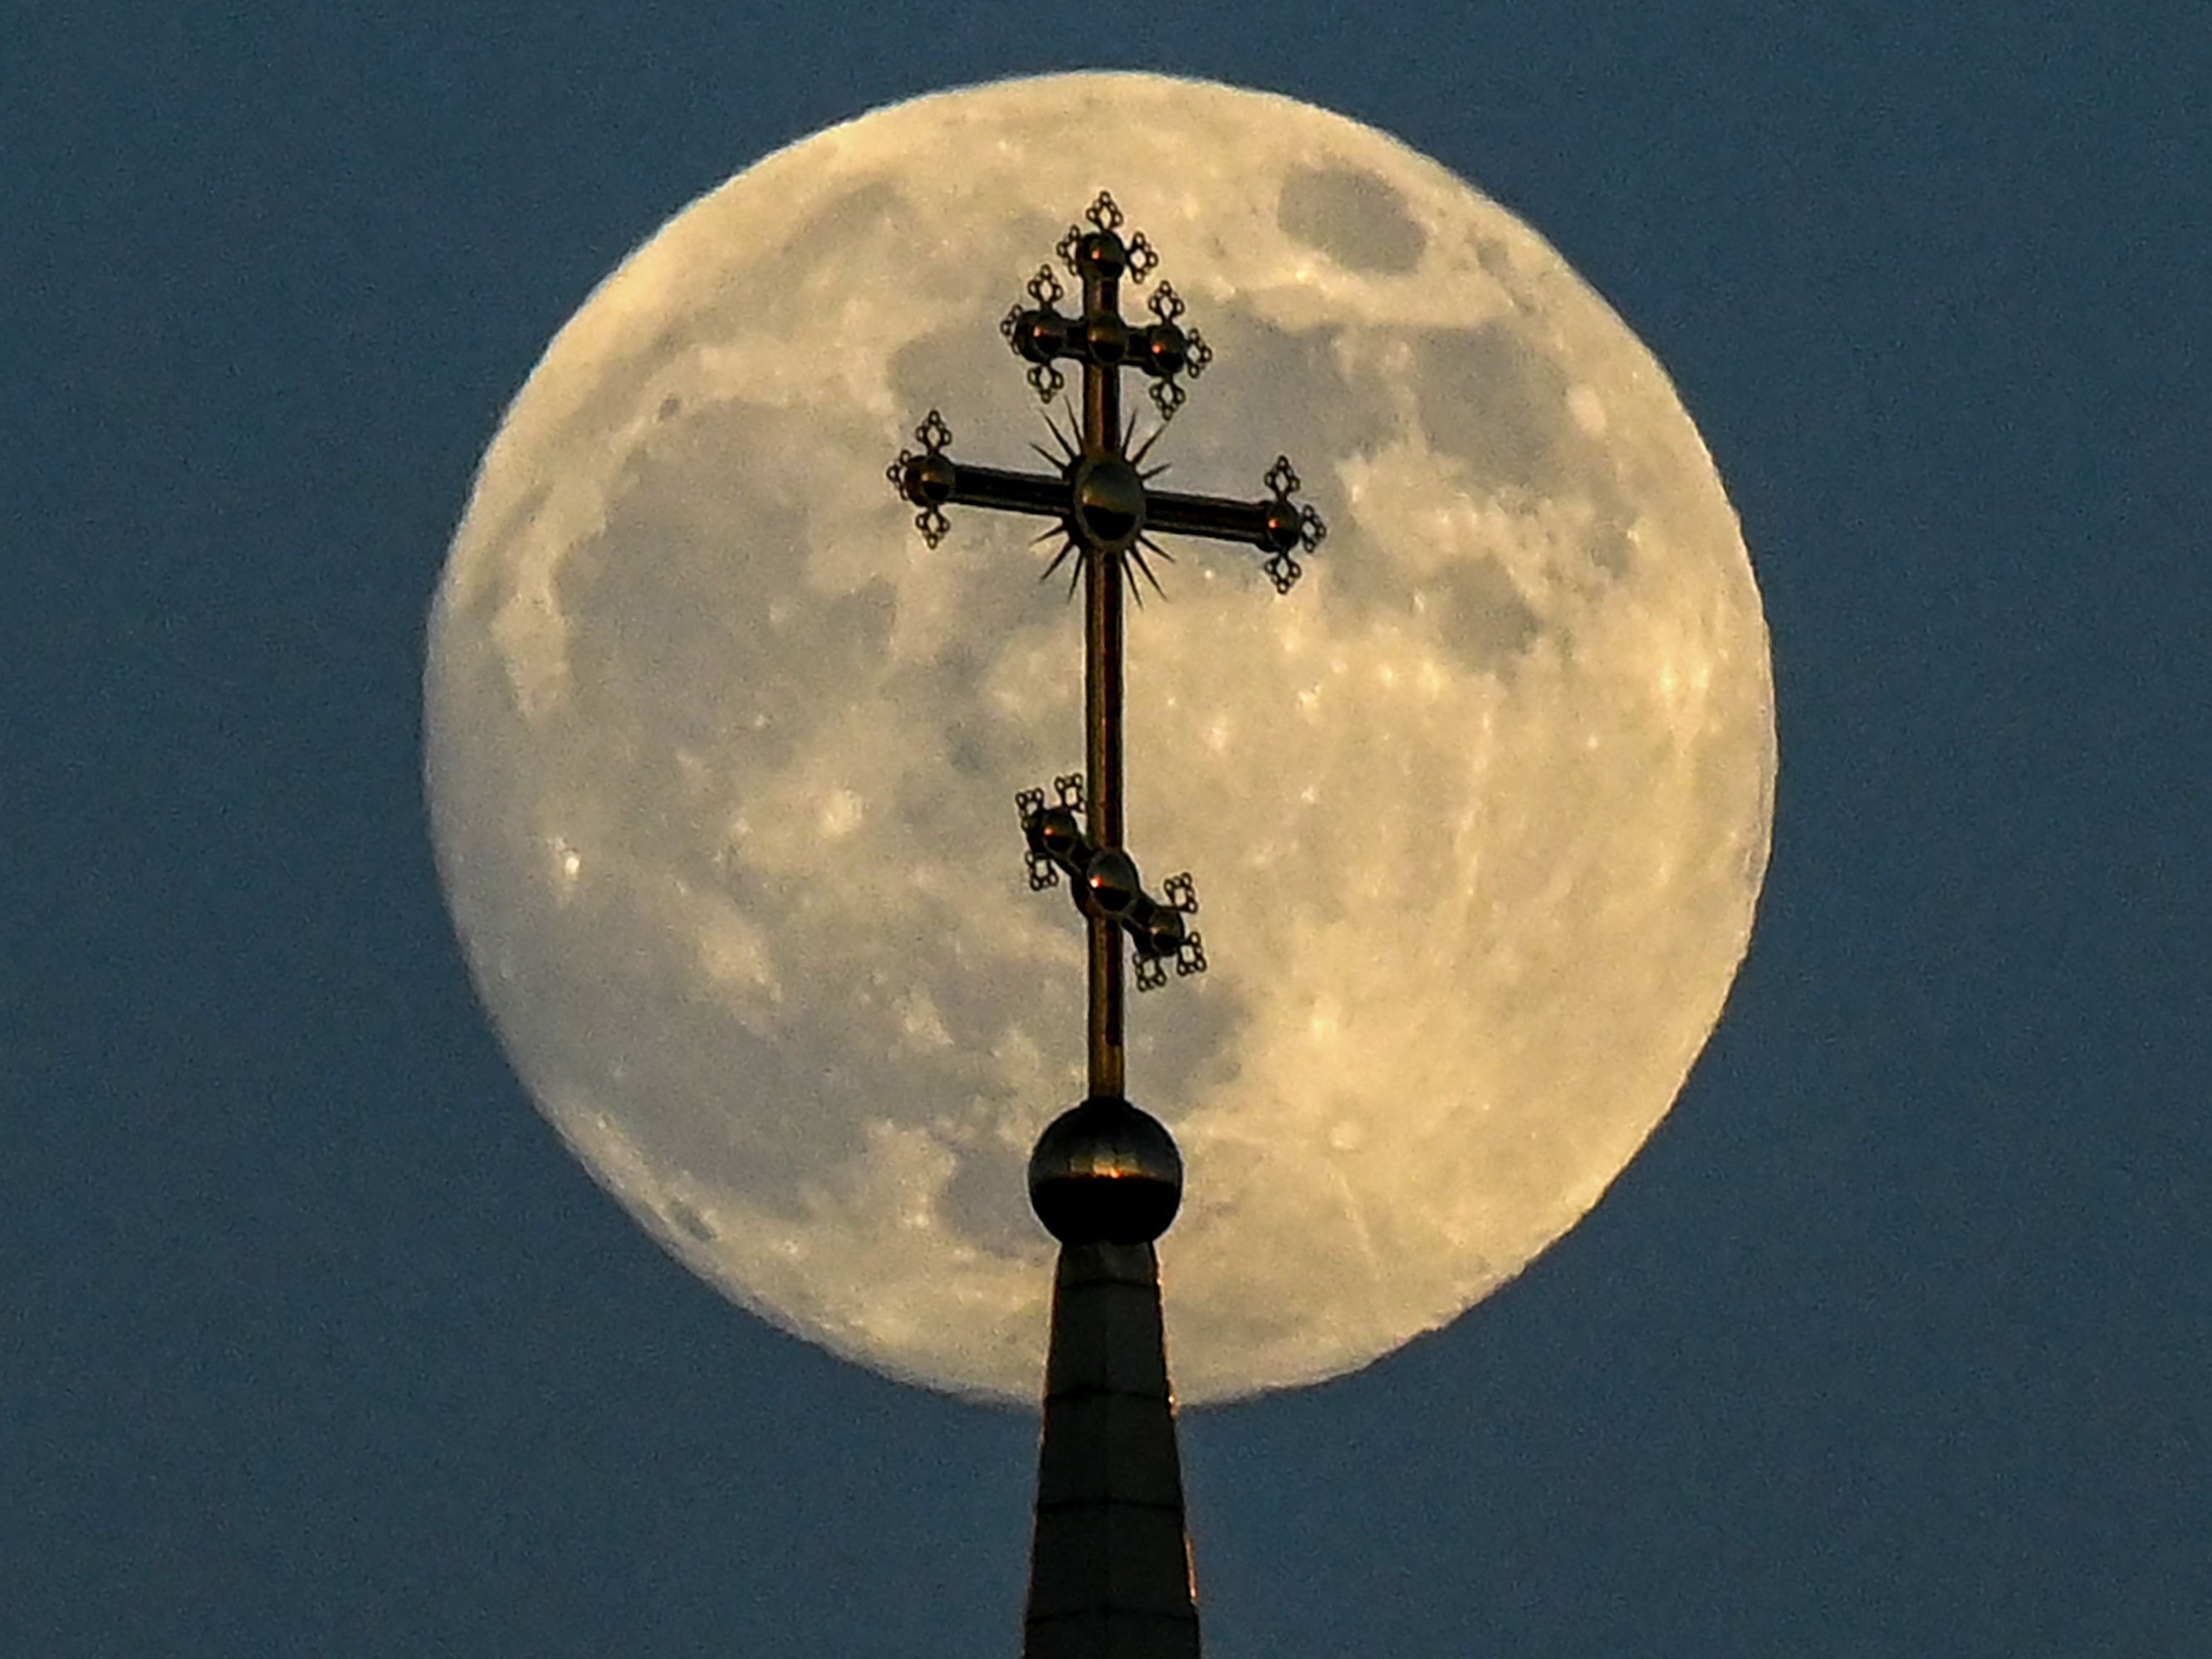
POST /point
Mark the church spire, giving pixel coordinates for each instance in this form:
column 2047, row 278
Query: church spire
column 1109, row 1561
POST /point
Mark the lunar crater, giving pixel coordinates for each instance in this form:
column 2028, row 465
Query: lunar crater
column 1356, row 218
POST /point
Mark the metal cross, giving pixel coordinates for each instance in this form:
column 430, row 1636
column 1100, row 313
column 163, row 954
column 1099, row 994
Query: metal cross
column 1105, row 516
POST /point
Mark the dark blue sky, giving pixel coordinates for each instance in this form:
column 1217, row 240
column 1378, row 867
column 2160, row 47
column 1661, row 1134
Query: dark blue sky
column 1896, row 1340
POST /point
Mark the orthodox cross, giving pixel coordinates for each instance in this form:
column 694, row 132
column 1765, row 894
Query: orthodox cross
column 1109, row 1575
column 1105, row 517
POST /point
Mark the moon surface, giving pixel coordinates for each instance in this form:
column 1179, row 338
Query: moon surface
column 721, row 759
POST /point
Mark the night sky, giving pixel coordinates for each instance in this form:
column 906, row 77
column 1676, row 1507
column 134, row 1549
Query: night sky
column 1896, row 1339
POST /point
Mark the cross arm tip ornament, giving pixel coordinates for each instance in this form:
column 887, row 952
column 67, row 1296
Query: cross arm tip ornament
column 1289, row 526
column 928, row 480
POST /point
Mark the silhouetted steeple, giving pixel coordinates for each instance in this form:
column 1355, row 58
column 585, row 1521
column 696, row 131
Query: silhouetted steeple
column 1110, row 1562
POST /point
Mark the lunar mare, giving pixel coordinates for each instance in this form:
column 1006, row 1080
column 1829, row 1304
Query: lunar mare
column 721, row 758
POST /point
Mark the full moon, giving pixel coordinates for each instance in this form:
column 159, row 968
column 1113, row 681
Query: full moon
column 721, row 758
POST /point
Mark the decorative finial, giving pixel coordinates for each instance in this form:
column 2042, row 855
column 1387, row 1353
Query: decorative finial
column 1106, row 1172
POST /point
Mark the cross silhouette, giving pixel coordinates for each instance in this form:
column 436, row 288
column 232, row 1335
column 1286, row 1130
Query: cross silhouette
column 1105, row 517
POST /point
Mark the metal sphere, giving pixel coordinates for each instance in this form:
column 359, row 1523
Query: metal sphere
column 1108, row 337
column 930, row 479
column 1166, row 349
column 1110, row 501
column 1110, row 885
column 1106, row 1173
column 1041, row 336
column 1283, row 528
column 1058, row 833
column 1100, row 253
column 1161, row 926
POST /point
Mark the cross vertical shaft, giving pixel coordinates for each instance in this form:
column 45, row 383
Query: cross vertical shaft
column 1103, row 701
